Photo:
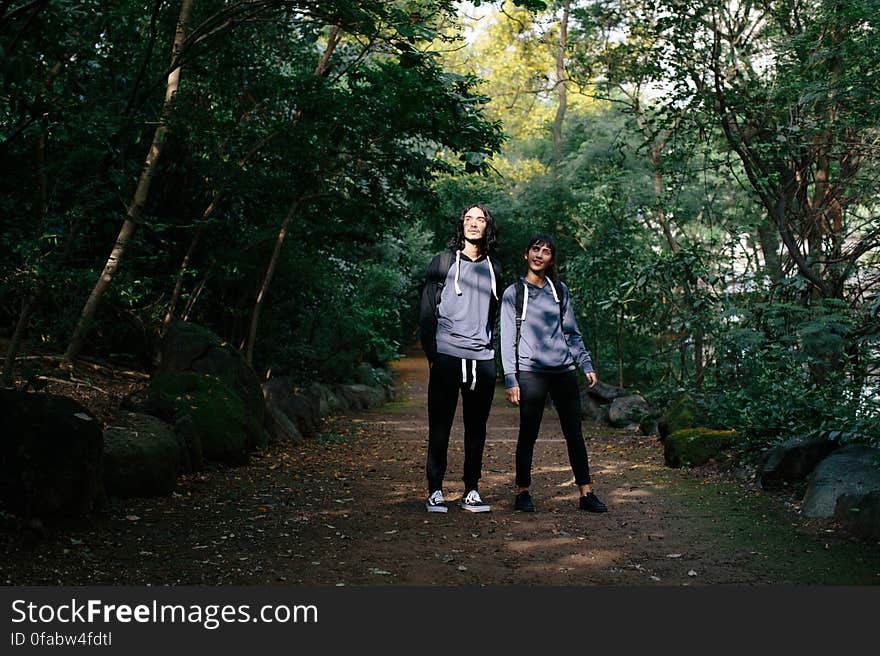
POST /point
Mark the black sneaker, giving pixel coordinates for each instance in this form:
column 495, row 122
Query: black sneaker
column 590, row 502
column 436, row 502
column 524, row 502
column 472, row 502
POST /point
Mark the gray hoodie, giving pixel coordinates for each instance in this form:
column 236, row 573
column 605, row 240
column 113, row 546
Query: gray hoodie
column 545, row 345
column 463, row 315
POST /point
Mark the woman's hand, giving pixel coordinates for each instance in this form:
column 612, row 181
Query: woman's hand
column 592, row 379
column 512, row 395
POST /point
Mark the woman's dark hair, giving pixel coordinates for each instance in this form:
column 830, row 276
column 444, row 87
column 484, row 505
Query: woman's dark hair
column 488, row 243
column 549, row 242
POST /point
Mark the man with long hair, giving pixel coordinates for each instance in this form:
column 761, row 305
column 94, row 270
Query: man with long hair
column 457, row 318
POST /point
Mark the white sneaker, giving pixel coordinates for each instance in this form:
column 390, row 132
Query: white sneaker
column 436, row 502
column 472, row 501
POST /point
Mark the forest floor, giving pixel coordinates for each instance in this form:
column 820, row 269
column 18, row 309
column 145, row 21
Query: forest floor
column 347, row 508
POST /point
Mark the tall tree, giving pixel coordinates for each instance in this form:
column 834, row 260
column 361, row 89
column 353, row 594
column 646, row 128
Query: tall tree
column 141, row 193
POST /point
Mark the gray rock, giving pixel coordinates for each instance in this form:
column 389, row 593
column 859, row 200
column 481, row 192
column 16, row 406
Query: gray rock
column 590, row 408
column 323, row 397
column 851, row 470
column 303, row 412
column 627, row 410
column 285, row 429
column 605, row 393
column 792, row 460
column 299, row 409
column 860, row 513
column 359, row 397
column 142, row 457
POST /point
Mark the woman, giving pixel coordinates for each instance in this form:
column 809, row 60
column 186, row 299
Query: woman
column 541, row 348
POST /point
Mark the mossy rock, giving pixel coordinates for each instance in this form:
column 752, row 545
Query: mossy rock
column 682, row 414
column 696, row 446
column 190, row 348
column 218, row 417
column 142, row 457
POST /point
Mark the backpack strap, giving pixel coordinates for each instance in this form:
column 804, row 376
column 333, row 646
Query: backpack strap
column 520, row 301
column 443, row 266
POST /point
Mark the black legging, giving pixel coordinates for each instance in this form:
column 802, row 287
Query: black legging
column 563, row 389
column 445, row 382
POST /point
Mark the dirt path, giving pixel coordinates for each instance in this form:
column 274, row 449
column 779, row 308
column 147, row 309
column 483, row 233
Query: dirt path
column 347, row 508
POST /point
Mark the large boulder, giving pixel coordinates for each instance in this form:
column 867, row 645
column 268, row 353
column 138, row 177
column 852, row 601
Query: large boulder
column 142, row 456
column 303, row 412
column 359, row 397
column 217, row 421
column 323, row 397
column 284, row 429
column 693, row 447
column 680, row 415
column 301, row 409
column 860, row 513
column 851, row 470
column 792, row 460
column 605, row 393
column 591, row 409
column 190, row 348
column 190, row 439
column 648, row 425
column 626, row 410
column 50, row 456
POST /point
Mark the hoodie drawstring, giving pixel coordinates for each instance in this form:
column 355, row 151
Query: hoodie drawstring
column 491, row 275
column 473, row 372
column 526, row 297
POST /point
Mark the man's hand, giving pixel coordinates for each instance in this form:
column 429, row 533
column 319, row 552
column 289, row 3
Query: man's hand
column 512, row 395
column 592, row 379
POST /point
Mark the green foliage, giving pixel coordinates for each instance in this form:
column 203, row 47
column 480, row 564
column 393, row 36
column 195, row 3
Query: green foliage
column 334, row 314
column 784, row 369
column 255, row 136
column 685, row 276
column 715, row 201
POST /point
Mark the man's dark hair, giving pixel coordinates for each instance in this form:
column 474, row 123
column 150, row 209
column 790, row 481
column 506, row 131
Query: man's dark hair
column 549, row 242
column 488, row 243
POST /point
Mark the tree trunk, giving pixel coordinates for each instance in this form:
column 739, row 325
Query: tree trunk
column 559, row 56
column 267, row 280
column 699, row 346
column 768, row 236
column 178, row 284
column 620, row 320
column 140, row 196
column 276, row 252
column 41, row 206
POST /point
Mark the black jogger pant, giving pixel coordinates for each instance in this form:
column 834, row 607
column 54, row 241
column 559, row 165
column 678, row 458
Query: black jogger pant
column 449, row 377
column 563, row 389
